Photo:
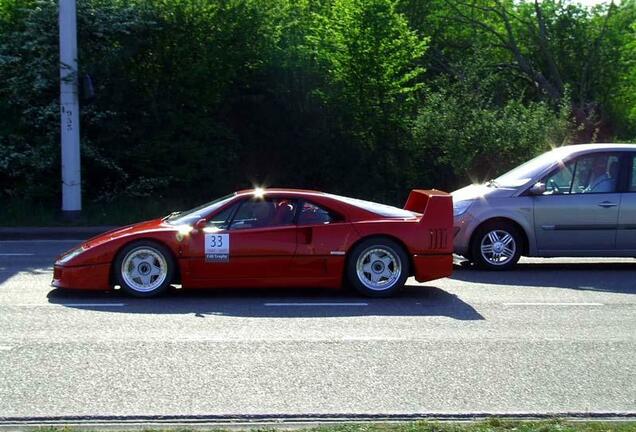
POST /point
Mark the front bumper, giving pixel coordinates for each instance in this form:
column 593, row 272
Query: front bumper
column 430, row 267
column 463, row 227
column 90, row 277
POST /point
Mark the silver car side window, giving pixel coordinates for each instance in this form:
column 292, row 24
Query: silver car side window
column 560, row 182
column 596, row 173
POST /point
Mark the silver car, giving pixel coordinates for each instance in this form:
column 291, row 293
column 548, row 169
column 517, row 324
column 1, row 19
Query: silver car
column 573, row 201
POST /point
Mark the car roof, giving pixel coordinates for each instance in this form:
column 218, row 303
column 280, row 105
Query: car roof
column 582, row 148
column 286, row 191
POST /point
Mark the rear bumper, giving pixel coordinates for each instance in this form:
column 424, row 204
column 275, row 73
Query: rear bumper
column 430, row 267
column 90, row 277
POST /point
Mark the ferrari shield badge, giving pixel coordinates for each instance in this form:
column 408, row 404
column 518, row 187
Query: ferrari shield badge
column 217, row 247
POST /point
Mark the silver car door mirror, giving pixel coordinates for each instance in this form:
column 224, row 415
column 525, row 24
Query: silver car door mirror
column 537, row 189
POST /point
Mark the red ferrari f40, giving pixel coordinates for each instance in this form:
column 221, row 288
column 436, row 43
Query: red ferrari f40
column 272, row 238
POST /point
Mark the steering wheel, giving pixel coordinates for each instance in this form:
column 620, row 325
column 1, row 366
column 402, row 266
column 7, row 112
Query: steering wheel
column 554, row 186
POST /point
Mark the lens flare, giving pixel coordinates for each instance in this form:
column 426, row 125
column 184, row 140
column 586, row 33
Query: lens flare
column 259, row 192
column 183, row 231
column 211, row 230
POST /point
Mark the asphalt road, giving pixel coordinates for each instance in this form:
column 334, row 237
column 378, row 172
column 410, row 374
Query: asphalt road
column 554, row 336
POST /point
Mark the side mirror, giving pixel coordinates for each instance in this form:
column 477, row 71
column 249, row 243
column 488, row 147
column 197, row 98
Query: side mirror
column 200, row 224
column 537, row 189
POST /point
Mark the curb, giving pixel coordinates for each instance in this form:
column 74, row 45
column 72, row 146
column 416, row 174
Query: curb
column 250, row 422
column 52, row 233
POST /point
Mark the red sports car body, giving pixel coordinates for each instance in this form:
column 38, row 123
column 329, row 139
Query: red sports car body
column 272, row 238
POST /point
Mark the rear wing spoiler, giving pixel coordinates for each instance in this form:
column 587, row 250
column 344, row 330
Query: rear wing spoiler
column 429, row 201
column 437, row 217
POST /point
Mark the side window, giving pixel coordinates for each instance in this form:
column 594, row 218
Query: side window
column 560, row 182
column 597, row 173
column 311, row 214
column 632, row 181
column 262, row 213
column 222, row 218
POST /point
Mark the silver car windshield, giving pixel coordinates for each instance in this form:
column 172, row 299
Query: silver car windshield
column 191, row 216
column 379, row 209
column 524, row 173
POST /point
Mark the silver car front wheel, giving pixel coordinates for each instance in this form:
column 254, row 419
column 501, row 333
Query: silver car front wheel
column 496, row 245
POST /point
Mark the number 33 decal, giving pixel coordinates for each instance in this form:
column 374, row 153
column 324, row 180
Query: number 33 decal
column 217, row 243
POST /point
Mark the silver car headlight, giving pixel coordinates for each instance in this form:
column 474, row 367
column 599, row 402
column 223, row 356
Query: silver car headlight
column 461, row 207
column 72, row 254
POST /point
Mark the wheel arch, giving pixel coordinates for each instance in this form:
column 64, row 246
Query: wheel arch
column 177, row 271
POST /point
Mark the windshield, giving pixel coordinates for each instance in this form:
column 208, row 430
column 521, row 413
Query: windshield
column 191, row 216
column 527, row 171
column 379, row 209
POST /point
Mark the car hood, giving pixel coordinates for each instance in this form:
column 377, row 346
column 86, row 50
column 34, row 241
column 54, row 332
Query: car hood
column 151, row 225
column 475, row 191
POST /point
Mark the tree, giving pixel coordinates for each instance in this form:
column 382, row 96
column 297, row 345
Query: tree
column 370, row 60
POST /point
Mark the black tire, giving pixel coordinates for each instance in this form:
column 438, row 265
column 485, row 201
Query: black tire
column 160, row 256
column 392, row 253
column 512, row 246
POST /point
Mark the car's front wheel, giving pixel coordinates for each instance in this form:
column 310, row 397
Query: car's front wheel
column 496, row 246
column 377, row 267
column 144, row 269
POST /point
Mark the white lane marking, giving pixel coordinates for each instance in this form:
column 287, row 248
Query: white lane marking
column 17, row 254
column 64, row 304
column 554, row 304
column 316, row 304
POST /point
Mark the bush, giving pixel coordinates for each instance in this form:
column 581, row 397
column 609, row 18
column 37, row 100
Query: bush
column 461, row 136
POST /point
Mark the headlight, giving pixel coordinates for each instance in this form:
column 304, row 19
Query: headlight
column 72, row 254
column 460, row 207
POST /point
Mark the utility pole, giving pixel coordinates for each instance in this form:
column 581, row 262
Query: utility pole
column 69, row 104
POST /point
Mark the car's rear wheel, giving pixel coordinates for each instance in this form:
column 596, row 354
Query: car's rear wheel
column 144, row 269
column 377, row 267
column 496, row 246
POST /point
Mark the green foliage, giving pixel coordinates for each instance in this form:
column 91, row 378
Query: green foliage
column 366, row 97
column 491, row 138
column 543, row 51
column 368, row 54
column 623, row 99
column 368, row 57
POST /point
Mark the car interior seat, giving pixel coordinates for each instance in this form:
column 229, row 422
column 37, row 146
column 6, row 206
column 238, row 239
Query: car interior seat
column 284, row 214
column 613, row 170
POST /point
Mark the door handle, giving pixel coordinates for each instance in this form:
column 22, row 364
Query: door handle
column 607, row 204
